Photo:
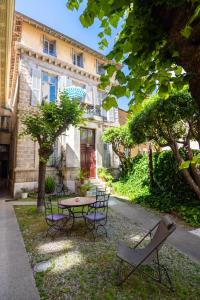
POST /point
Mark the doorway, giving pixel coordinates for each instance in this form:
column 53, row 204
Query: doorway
column 87, row 149
column 4, row 165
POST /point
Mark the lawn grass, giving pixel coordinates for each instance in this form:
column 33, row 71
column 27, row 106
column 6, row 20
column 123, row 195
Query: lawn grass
column 84, row 269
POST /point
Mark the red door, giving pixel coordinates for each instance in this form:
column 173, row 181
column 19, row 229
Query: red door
column 88, row 157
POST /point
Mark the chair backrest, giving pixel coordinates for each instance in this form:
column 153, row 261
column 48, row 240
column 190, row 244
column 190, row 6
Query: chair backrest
column 48, row 207
column 100, row 192
column 103, row 199
column 164, row 228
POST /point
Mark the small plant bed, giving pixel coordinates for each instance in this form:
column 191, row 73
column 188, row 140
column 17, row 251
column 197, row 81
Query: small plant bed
column 84, row 269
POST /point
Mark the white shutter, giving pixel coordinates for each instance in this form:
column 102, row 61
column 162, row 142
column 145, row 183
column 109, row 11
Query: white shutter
column 116, row 114
column 111, row 115
column 95, row 96
column 36, row 87
column 45, row 91
column 62, row 83
column 68, row 81
column 89, row 95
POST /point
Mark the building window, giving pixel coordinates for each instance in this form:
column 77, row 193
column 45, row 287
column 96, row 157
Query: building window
column 49, row 87
column 49, row 47
column 77, row 58
column 99, row 68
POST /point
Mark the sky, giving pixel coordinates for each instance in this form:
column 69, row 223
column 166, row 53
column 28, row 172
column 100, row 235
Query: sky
column 55, row 14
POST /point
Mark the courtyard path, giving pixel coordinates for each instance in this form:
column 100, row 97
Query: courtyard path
column 16, row 277
column 184, row 241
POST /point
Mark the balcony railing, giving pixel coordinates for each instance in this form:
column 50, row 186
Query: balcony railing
column 5, row 123
column 93, row 111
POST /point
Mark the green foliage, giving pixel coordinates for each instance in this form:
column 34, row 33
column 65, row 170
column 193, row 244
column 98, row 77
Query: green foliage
column 81, row 176
column 144, row 43
column 121, row 140
column 135, row 183
column 49, row 184
column 171, row 193
column 171, row 182
column 105, row 175
column 120, row 135
column 161, row 120
column 190, row 214
column 83, row 188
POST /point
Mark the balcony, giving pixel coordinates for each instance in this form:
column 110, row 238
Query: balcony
column 93, row 112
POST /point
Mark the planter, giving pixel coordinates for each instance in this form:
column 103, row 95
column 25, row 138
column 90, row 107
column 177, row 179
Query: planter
column 24, row 195
column 88, row 193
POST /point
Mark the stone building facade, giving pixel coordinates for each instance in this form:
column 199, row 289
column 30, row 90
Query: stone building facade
column 48, row 63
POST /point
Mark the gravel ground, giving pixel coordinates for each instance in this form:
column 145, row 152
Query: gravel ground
column 84, row 269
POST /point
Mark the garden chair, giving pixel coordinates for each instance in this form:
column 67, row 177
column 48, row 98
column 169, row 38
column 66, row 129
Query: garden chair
column 100, row 192
column 55, row 220
column 137, row 257
column 97, row 215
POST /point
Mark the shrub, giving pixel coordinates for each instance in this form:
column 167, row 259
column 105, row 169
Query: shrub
column 135, row 183
column 49, row 184
column 171, row 192
column 171, row 183
column 105, row 175
column 84, row 188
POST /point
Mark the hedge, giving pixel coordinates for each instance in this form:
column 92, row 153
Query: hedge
column 170, row 194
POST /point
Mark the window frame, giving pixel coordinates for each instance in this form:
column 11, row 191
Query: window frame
column 75, row 55
column 49, row 43
column 50, row 83
column 98, row 66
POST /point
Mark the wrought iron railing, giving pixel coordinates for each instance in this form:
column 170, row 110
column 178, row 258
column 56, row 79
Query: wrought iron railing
column 94, row 111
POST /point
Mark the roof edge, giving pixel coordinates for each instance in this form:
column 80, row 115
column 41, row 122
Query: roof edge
column 62, row 35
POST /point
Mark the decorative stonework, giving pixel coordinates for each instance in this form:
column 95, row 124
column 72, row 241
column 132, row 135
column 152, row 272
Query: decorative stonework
column 56, row 62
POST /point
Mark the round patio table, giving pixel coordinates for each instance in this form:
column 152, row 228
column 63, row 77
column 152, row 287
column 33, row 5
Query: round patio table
column 77, row 201
column 71, row 204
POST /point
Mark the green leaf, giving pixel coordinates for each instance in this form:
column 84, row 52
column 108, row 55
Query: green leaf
column 114, row 21
column 108, row 31
column 109, row 102
column 110, row 70
column 104, row 42
column 101, row 35
column 178, row 70
column 196, row 159
column 185, row 164
column 186, row 32
column 163, row 91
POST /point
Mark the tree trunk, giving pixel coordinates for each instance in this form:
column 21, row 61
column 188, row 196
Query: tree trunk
column 194, row 186
column 41, row 186
column 150, row 163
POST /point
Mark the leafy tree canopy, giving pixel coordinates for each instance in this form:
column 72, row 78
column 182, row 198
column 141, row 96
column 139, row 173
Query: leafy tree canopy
column 51, row 120
column 172, row 123
column 158, row 39
column 165, row 121
column 121, row 140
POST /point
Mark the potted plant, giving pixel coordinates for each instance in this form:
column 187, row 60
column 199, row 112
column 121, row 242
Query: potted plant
column 49, row 185
column 24, row 193
column 84, row 189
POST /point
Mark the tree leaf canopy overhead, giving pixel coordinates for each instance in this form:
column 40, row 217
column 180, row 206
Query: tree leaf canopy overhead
column 158, row 42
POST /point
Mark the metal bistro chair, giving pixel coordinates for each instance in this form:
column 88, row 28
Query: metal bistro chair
column 137, row 257
column 97, row 215
column 100, row 192
column 55, row 220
